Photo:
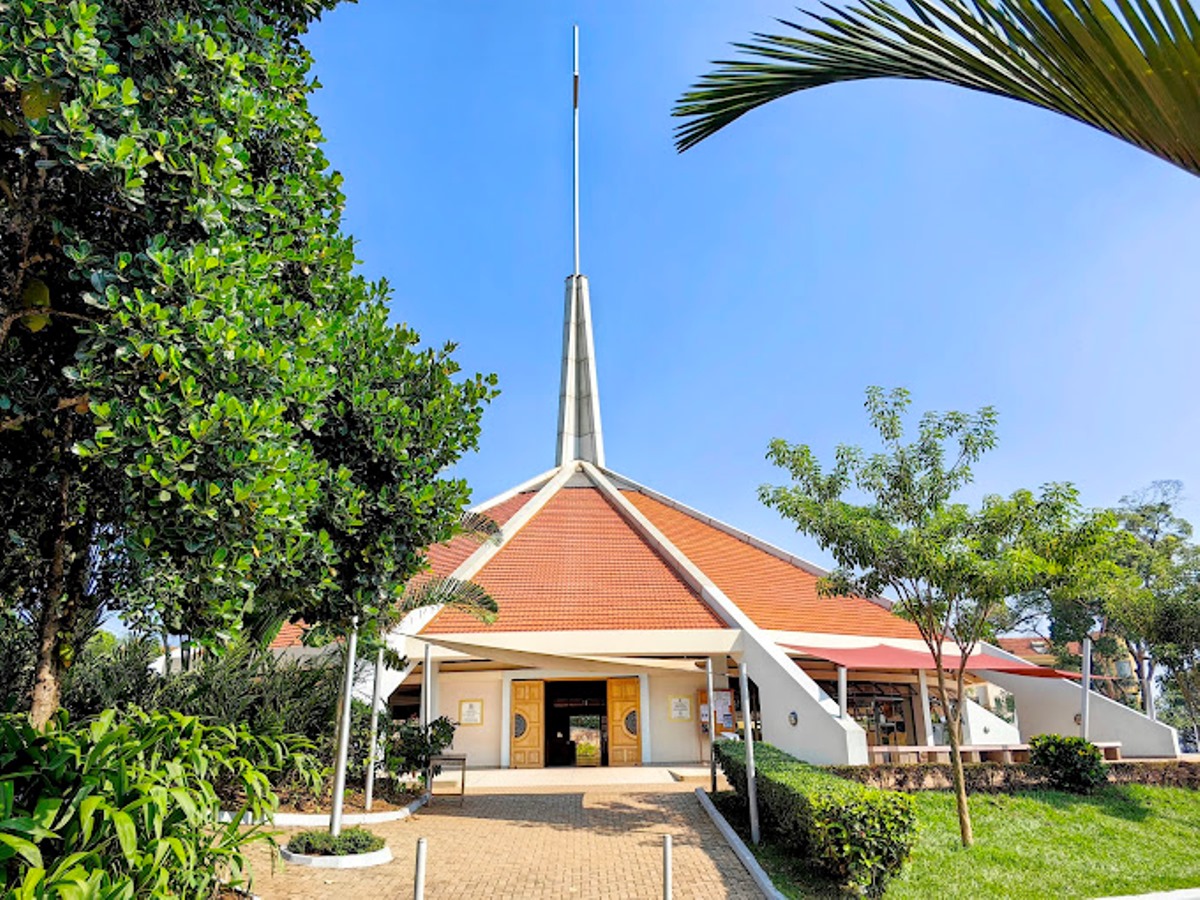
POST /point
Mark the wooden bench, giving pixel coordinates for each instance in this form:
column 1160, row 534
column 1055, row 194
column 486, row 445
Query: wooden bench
column 1001, row 753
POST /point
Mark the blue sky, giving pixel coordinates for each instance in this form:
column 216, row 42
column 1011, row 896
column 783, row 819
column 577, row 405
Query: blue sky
column 972, row 249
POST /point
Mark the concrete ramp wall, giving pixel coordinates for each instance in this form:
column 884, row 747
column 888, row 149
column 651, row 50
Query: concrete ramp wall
column 819, row 736
column 982, row 726
column 1049, row 706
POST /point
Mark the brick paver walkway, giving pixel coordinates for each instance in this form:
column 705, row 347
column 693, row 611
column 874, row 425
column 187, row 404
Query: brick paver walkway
column 603, row 843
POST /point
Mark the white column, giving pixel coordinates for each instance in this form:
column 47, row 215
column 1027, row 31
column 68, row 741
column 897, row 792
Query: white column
column 751, row 786
column 644, row 718
column 842, row 689
column 426, row 687
column 926, row 714
column 712, row 722
column 372, row 748
column 1086, row 684
column 343, row 737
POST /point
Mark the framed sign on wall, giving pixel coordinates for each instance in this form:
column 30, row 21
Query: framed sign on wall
column 470, row 712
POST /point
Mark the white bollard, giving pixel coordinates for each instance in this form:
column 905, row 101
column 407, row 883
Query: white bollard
column 666, row 867
column 419, row 877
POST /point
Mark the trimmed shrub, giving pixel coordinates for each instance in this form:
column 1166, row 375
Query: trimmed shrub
column 981, row 778
column 1071, row 763
column 322, row 843
column 125, row 806
column 858, row 835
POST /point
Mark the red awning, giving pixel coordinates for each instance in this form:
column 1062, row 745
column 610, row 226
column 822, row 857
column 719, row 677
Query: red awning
column 884, row 656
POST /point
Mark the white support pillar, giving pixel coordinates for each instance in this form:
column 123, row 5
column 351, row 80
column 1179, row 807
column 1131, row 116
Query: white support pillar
column 372, row 747
column 926, row 713
column 426, row 687
column 343, row 736
column 1085, row 702
column 712, row 722
column 842, row 690
column 751, row 785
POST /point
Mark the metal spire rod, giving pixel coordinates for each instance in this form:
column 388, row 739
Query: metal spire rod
column 575, row 146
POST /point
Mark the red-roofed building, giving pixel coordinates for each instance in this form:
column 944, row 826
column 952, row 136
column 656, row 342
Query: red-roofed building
column 622, row 610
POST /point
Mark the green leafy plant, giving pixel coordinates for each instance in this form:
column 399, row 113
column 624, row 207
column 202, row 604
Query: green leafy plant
column 322, row 843
column 858, row 835
column 1071, row 763
column 204, row 410
column 127, row 804
column 410, row 747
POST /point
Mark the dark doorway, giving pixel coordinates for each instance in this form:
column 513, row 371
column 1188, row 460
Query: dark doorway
column 576, row 723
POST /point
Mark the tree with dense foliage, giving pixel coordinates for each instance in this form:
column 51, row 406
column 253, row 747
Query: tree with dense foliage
column 203, row 409
column 1127, row 69
column 1166, row 566
column 951, row 569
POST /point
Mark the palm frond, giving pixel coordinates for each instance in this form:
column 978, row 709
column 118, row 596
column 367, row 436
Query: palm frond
column 467, row 596
column 1130, row 68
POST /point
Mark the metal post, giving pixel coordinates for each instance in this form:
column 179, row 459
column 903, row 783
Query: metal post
column 426, row 686
column 372, row 749
column 712, row 723
column 575, row 148
column 419, row 876
column 343, row 741
column 1148, row 690
column 666, row 867
column 751, row 786
column 841, row 670
column 1087, row 688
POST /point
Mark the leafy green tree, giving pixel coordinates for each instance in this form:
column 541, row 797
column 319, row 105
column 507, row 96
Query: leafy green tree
column 951, row 569
column 1166, row 566
column 1127, row 68
column 202, row 408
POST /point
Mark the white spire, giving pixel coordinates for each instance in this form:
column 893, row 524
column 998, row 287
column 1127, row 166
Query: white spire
column 579, row 432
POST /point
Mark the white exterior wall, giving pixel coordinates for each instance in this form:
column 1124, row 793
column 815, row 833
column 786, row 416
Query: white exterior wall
column 819, row 735
column 1049, row 706
column 675, row 741
column 481, row 743
column 982, row 726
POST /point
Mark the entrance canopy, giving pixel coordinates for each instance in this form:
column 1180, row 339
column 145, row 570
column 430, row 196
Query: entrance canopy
column 885, row 656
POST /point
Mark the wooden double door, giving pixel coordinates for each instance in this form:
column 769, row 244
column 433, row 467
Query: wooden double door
column 527, row 724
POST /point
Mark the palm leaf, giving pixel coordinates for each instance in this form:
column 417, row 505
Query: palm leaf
column 1130, row 68
column 463, row 595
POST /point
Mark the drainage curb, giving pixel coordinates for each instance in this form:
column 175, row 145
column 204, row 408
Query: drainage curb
column 740, row 850
column 349, row 861
column 307, row 820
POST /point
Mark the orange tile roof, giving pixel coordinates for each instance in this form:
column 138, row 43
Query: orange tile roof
column 443, row 560
column 578, row 565
column 773, row 592
column 290, row 635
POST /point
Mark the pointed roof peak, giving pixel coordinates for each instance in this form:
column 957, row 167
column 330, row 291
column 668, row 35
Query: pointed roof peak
column 580, row 436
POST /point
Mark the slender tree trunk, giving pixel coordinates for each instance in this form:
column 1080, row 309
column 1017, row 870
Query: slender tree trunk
column 47, row 679
column 166, row 642
column 954, row 721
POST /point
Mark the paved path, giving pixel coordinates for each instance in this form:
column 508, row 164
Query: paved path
column 602, row 842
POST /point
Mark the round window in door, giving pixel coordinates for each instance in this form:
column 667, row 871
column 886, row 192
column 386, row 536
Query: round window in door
column 519, row 726
column 630, row 722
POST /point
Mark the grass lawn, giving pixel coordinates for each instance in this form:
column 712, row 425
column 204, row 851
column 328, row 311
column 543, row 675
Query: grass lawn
column 1123, row 840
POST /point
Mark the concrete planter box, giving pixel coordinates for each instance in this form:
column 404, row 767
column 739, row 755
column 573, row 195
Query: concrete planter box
column 316, row 820
column 349, row 861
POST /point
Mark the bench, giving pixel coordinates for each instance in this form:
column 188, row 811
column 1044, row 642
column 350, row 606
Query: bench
column 449, row 760
column 1001, row 753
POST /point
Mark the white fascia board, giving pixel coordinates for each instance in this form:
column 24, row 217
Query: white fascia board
column 758, row 543
column 524, row 487
column 678, row 643
column 522, row 657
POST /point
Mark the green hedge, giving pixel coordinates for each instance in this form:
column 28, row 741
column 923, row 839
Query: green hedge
column 859, row 835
